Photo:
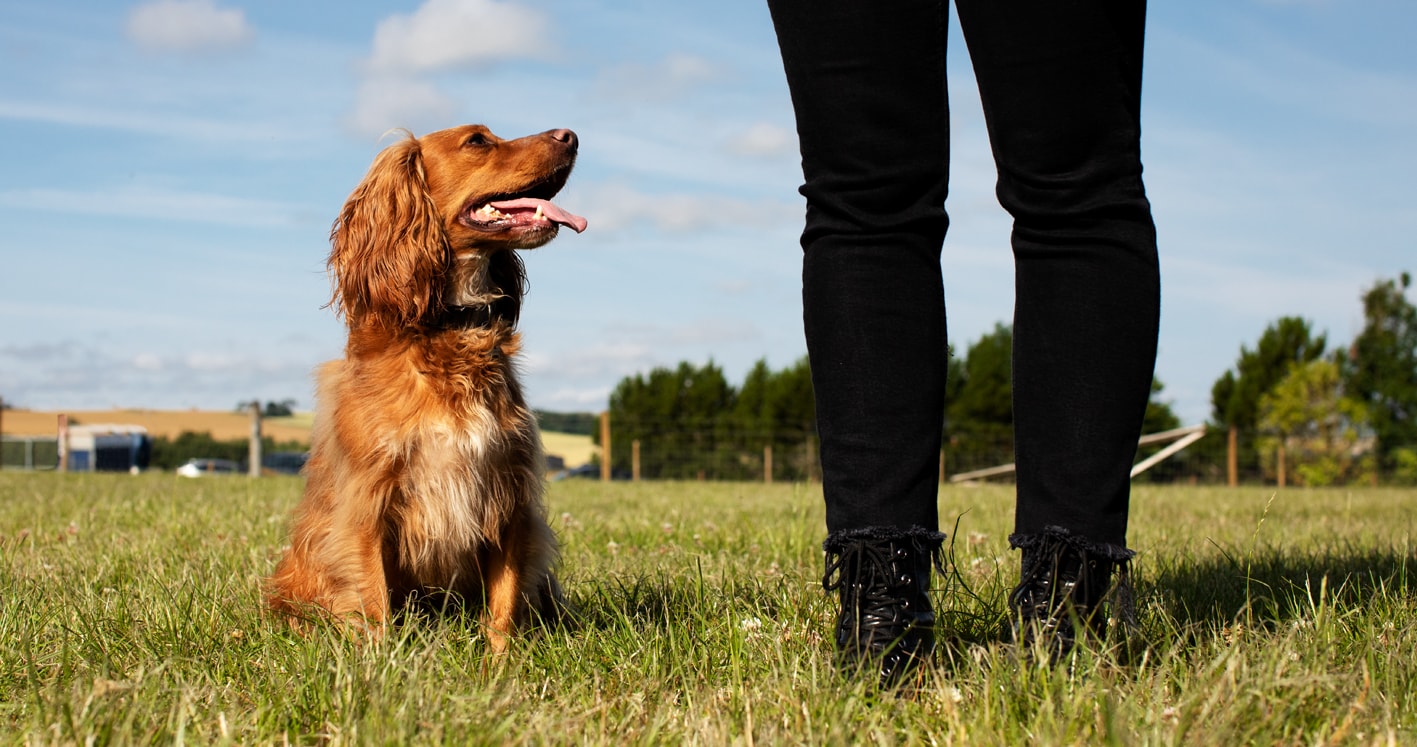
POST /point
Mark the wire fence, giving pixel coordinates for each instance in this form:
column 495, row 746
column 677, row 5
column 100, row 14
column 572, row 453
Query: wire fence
column 39, row 453
column 664, row 449
column 707, row 449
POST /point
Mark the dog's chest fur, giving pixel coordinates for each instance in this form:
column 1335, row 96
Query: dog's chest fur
column 458, row 489
column 464, row 454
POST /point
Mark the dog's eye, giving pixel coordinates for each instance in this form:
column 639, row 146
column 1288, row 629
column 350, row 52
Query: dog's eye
column 476, row 139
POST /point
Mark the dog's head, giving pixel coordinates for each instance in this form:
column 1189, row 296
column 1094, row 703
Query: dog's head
column 428, row 229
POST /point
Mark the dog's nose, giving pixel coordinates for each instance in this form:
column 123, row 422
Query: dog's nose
column 565, row 136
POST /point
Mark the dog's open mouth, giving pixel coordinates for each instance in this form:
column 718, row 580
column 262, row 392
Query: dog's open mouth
column 497, row 215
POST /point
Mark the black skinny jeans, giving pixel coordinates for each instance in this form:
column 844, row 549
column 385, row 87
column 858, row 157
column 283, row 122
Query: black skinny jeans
column 1061, row 85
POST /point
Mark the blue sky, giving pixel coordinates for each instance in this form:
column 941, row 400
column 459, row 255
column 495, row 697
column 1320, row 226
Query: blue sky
column 171, row 170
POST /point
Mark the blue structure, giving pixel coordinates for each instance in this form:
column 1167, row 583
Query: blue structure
column 109, row 448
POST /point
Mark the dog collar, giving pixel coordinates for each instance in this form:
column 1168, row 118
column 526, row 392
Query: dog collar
column 479, row 315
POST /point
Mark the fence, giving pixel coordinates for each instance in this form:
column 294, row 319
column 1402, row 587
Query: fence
column 720, row 449
column 31, row 453
column 709, row 449
column 1240, row 456
column 706, row 449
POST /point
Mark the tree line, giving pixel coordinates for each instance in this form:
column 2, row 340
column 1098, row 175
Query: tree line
column 1326, row 414
column 171, row 453
column 1331, row 414
column 690, row 422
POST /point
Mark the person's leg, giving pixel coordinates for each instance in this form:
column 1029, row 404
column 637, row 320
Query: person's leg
column 1061, row 86
column 868, row 89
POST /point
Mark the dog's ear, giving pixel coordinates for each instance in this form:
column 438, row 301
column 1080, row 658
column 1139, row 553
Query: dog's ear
column 388, row 248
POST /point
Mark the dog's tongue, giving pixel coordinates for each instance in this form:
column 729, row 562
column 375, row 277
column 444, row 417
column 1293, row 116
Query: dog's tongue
column 548, row 209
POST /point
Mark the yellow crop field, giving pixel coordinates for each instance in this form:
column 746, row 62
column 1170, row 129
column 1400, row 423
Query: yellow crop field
column 170, row 423
column 575, row 450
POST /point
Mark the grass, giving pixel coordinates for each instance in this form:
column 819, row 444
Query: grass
column 129, row 612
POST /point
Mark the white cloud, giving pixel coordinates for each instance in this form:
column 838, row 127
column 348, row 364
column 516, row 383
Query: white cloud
column 386, row 102
column 570, row 398
column 159, row 124
column 78, row 375
column 763, row 139
column 1326, row 291
column 669, row 77
column 187, row 26
column 147, row 362
column 604, row 359
column 154, row 203
column 443, row 34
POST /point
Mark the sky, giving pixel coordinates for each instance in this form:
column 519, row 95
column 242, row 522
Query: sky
column 169, row 172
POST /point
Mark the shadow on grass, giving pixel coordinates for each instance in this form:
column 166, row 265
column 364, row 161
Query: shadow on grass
column 663, row 601
column 1177, row 596
column 1276, row 585
column 1181, row 600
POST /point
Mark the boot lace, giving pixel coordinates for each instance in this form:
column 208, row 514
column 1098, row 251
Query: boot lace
column 879, row 580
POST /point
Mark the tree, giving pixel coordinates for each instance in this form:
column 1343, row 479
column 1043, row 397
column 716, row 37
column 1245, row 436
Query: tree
column 1381, row 369
column 1320, row 429
column 690, row 421
column 778, row 409
column 1159, row 416
column 282, row 409
column 579, row 423
column 1235, row 396
column 679, row 416
column 983, row 398
column 979, row 415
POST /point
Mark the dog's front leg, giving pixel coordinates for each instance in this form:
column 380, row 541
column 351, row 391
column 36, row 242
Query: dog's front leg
column 505, row 569
column 503, row 599
column 363, row 600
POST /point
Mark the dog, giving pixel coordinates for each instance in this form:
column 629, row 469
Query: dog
column 425, row 474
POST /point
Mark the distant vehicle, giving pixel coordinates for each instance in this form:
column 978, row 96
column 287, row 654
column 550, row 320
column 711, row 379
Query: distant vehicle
column 206, row 467
column 284, row 462
column 589, row 472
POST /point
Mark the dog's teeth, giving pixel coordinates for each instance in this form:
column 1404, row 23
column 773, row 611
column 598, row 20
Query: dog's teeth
column 538, row 215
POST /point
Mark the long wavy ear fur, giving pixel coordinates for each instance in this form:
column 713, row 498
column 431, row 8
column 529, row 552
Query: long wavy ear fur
column 388, row 250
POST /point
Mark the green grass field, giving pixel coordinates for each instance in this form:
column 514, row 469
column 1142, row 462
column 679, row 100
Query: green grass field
column 129, row 612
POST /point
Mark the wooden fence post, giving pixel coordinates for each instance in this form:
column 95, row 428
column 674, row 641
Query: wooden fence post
column 767, row 464
column 63, row 442
column 1232, row 458
column 253, row 454
column 635, row 460
column 1280, row 459
column 605, row 446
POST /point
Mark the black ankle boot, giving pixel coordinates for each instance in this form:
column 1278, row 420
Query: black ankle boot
column 1066, row 590
column 883, row 575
